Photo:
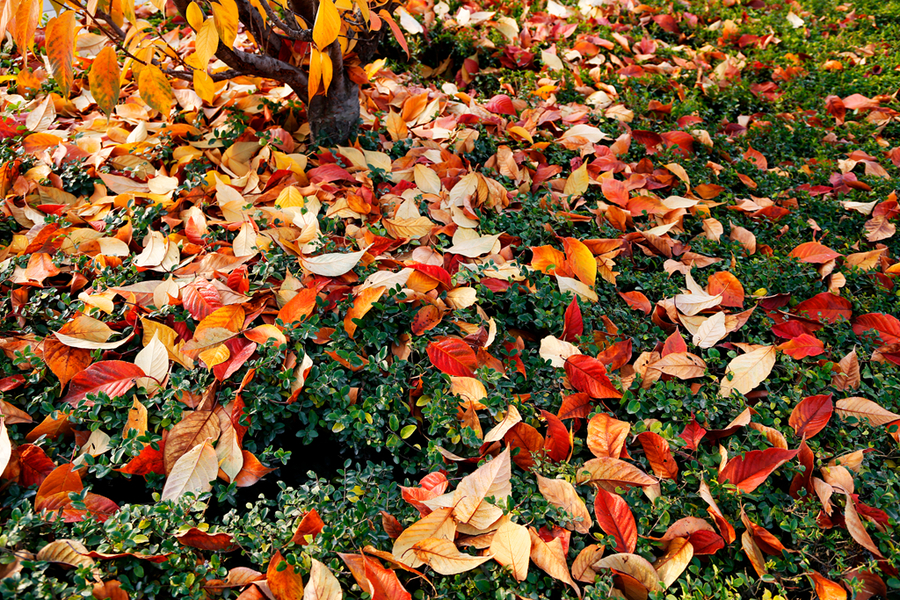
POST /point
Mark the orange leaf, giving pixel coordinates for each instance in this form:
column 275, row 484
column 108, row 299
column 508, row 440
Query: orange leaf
column 728, row 285
column 637, row 301
column 813, row 252
column 811, row 415
column 588, row 375
column 606, row 436
column 453, row 357
column 827, row 589
column 580, row 260
column 284, row 580
column 802, row 346
column 216, row 542
column 310, row 525
column 60, row 44
column 659, row 454
column 298, row 308
column 104, row 80
column 362, row 304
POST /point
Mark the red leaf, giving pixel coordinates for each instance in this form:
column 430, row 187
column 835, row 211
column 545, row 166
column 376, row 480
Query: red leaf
column 802, row 346
column 573, row 324
column 887, row 326
column 588, row 375
column 217, row 542
column 692, row 434
column 811, row 415
column 706, row 542
column 501, row 104
column 528, row 440
column 557, row 444
column 148, row 461
column 310, row 525
column 453, row 357
column 803, row 480
column 114, row 377
column 575, row 406
column 825, row 308
column 813, row 252
column 35, row 464
column 615, row 519
column 658, row 453
column 240, row 350
column 617, row 355
column 748, row 472
column 674, row 344
column 637, row 301
column 200, row 298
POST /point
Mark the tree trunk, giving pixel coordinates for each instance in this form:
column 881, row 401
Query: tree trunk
column 333, row 118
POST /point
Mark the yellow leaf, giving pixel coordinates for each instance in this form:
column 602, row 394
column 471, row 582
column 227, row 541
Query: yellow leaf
column 206, row 44
column 577, row 183
column 327, row 25
column 167, row 336
column 194, row 16
column 674, row 562
column 581, row 260
column 512, row 417
column 327, row 70
column 137, row 419
column 225, row 14
column 60, row 43
column 439, row 524
column 66, row 552
column 491, row 479
column 104, row 80
column 748, row 370
column 633, row 565
column 315, row 72
column 156, row 90
column 204, row 86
